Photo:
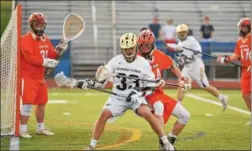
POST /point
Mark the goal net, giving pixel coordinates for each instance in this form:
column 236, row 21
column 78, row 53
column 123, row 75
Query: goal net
column 10, row 77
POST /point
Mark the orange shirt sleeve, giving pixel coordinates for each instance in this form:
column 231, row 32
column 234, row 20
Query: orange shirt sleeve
column 52, row 53
column 28, row 54
column 165, row 61
column 237, row 49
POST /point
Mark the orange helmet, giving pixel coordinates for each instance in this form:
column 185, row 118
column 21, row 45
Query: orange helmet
column 244, row 26
column 37, row 23
column 146, row 42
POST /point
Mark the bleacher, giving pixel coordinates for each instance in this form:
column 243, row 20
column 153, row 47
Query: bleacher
column 86, row 55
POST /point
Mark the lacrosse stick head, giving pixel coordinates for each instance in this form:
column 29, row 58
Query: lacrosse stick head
column 73, row 27
column 102, row 74
column 62, row 80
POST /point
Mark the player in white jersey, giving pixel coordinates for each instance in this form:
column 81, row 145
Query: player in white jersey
column 194, row 68
column 127, row 64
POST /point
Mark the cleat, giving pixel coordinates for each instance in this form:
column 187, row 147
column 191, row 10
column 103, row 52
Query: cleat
column 24, row 135
column 172, row 140
column 169, row 147
column 224, row 101
column 45, row 131
column 161, row 145
column 90, row 147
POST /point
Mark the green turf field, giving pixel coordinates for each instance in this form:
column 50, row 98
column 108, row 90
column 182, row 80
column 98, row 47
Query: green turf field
column 73, row 122
column 5, row 14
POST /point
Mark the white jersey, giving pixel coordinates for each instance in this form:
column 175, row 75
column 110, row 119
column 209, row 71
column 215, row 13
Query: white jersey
column 191, row 43
column 139, row 68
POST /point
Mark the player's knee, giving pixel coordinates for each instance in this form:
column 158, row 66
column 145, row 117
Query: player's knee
column 182, row 114
column 26, row 109
column 105, row 115
column 144, row 112
column 158, row 108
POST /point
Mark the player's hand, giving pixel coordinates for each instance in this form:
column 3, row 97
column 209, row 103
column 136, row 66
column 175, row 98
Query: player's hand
column 186, row 87
column 84, row 84
column 160, row 83
column 133, row 96
column 223, row 59
column 62, row 46
column 183, row 79
column 50, row 63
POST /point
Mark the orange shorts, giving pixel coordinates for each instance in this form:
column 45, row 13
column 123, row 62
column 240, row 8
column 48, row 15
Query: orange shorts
column 33, row 91
column 169, row 103
column 245, row 84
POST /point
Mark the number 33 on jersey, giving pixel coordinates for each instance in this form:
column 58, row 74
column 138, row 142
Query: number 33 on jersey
column 139, row 68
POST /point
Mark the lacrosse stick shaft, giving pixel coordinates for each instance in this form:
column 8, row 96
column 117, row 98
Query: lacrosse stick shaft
column 105, row 91
column 214, row 57
column 154, row 81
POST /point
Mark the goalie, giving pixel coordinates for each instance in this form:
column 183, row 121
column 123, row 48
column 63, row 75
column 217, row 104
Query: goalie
column 37, row 53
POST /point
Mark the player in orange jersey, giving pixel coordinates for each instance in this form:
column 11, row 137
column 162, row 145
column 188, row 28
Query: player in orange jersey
column 242, row 52
column 163, row 105
column 37, row 53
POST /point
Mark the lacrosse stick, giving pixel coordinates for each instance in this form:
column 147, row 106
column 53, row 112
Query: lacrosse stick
column 206, row 54
column 62, row 80
column 73, row 27
column 103, row 74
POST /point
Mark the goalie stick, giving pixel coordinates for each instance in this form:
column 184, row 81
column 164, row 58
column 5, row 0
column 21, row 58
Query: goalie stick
column 72, row 28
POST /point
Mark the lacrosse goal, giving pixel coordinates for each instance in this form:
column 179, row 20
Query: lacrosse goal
column 10, row 74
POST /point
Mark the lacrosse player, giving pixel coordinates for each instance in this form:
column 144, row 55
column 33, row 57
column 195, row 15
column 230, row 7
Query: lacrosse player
column 132, row 65
column 162, row 104
column 37, row 53
column 243, row 53
column 194, row 68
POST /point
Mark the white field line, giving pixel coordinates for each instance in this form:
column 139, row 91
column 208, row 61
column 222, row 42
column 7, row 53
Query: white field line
column 217, row 103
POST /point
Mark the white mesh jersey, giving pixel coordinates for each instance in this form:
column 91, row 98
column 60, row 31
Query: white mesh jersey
column 139, row 68
column 191, row 43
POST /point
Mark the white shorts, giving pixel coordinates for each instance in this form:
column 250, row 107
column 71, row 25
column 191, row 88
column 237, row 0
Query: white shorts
column 192, row 72
column 118, row 106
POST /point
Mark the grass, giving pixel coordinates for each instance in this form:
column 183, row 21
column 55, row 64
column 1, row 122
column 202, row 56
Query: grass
column 223, row 131
column 5, row 14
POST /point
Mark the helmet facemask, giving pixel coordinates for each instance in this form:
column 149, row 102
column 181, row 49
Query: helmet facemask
column 38, row 28
column 244, row 31
column 244, row 27
column 182, row 35
column 129, row 53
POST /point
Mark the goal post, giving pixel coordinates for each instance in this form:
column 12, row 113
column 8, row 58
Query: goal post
column 10, row 74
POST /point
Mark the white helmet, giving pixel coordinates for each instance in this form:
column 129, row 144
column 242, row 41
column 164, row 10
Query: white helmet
column 182, row 31
column 128, row 40
column 128, row 43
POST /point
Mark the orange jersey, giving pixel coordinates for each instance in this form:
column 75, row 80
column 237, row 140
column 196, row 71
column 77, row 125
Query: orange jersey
column 242, row 51
column 160, row 62
column 32, row 53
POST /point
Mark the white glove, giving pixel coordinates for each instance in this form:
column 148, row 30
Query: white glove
column 62, row 46
column 83, row 84
column 133, row 96
column 186, row 87
column 50, row 63
column 222, row 59
column 161, row 83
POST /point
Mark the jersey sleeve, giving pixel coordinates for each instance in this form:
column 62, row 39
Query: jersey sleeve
column 27, row 52
column 52, row 53
column 237, row 50
column 165, row 61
